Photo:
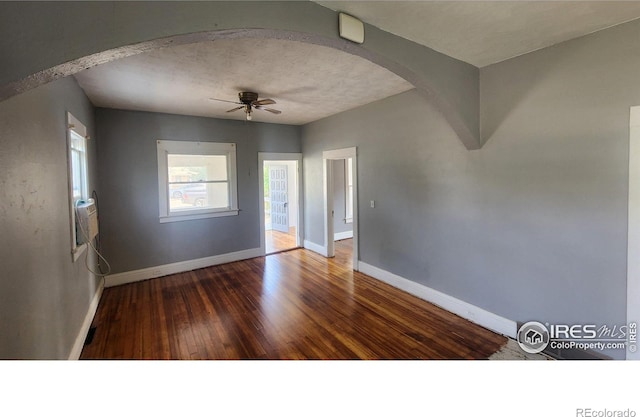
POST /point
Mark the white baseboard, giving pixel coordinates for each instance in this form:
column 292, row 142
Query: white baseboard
column 322, row 250
column 461, row 308
column 343, row 235
column 174, row 268
column 76, row 350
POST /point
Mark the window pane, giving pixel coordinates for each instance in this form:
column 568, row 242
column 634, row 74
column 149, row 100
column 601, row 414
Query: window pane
column 194, row 168
column 77, row 141
column 198, row 196
column 349, row 190
column 77, row 172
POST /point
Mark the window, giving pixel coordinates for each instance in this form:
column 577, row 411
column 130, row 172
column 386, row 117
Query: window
column 349, row 190
column 78, row 175
column 78, row 166
column 196, row 180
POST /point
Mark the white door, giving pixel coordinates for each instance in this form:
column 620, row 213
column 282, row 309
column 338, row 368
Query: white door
column 279, row 199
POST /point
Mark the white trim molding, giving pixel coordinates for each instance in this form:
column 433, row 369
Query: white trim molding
column 461, row 308
column 76, row 350
column 322, row 250
column 273, row 156
column 343, row 235
column 327, row 195
column 177, row 267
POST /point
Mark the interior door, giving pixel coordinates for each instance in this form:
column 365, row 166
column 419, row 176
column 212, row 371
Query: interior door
column 279, row 198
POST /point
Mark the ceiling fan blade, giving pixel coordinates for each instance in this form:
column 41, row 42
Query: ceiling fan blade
column 274, row 111
column 237, row 108
column 263, row 102
column 224, row 101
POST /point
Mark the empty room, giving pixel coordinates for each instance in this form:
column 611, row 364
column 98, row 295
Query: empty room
column 319, row 180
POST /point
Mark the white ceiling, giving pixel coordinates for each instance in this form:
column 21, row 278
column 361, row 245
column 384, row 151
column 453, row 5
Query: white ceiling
column 310, row 82
column 485, row 32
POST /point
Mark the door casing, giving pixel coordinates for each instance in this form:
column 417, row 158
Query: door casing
column 327, row 185
column 271, row 156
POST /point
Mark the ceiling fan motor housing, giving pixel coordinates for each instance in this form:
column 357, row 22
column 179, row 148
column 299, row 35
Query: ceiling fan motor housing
column 248, row 97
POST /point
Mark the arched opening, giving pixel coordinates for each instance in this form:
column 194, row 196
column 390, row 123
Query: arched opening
column 422, row 84
column 307, row 81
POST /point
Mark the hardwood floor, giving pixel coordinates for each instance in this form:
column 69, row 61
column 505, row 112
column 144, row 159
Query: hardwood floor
column 293, row 305
column 276, row 241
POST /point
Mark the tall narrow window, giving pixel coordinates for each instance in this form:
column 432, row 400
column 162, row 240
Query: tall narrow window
column 78, row 175
column 196, row 180
column 349, row 190
column 78, row 166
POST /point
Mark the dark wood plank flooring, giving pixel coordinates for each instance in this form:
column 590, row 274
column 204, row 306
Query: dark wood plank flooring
column 293, row 305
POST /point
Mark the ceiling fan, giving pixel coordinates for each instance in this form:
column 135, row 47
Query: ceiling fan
column 248, row 102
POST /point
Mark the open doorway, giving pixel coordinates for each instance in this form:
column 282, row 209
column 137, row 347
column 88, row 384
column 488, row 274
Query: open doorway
column 342, row 178
column 280, row 202
column 341, row 204
column 342, row 181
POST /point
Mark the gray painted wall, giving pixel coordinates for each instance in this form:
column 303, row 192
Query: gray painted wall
column 44, row 296
column 339, row 198
column 132, row 237
column 531, row 227
column 557, row 123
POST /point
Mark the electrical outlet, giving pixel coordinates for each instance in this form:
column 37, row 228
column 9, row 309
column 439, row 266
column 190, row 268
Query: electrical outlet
column 373, row 204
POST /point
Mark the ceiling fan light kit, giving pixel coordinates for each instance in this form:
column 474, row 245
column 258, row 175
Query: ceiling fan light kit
column 248, row 102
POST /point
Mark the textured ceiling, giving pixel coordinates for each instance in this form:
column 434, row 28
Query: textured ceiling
column 486, row 32
column 308, row 82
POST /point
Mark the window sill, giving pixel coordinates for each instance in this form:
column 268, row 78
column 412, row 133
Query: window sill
column 79, row 250
column 183, row 217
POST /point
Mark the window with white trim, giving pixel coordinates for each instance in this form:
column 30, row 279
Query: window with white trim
column 78, row 175
column 196, row 180
column 348, row 190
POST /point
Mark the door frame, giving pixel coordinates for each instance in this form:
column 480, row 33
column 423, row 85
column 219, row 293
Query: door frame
column 327, row 186
column 274, row 156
